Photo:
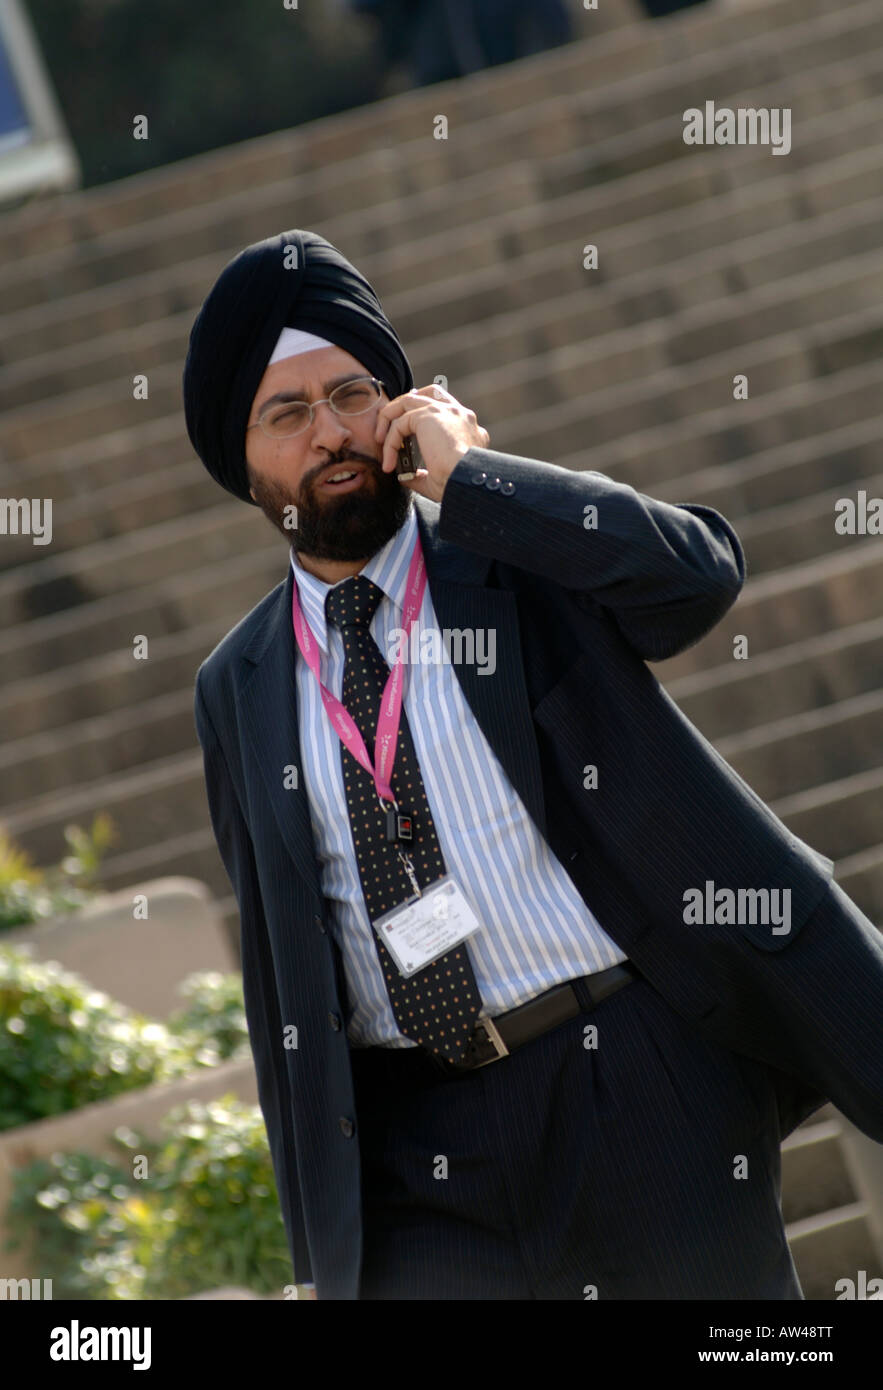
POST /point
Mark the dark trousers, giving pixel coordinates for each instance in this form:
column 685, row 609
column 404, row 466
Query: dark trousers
column 563, row 1169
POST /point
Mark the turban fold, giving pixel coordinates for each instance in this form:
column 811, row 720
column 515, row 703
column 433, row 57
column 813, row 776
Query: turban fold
column 296, row 280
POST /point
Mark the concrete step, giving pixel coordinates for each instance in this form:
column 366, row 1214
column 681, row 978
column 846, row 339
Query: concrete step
column 844, row 338
column 799, row 531
column 807, row 750
column 800, row 602
column 162, row 469
column 719, row 435
column 145, row 804
column 616, row 214
column 84, row 317
column 102, row 685
column 640, row 47
column 174, row 604
column 815, row 42
column 819, row 268
column 151, row 553
column 92, row 749
column 842, row 820
column 562, row 422
column 196, row 848
column 536, row 224
column 783, row 474
column 830, row 1246
column 683, row 196
column 430, row 231
column 112, row 459
column 791, row 680
column 63, row 221
column 195, row 853
column 861, row 876
column 814, row 1173
column 664, row 403
column 826, row 1220
column 80, row 468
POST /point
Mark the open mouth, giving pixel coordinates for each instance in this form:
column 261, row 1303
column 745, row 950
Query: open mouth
column 343, row 480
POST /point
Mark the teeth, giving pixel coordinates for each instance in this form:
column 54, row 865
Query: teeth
column 340, row 477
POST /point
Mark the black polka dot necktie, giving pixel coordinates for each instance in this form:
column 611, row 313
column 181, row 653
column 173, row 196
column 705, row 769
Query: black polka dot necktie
column 437, row 1006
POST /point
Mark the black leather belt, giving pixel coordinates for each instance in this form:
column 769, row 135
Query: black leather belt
column 495, row 1038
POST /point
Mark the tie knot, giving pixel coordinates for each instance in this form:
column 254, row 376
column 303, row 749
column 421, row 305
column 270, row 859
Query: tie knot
column 353, row 601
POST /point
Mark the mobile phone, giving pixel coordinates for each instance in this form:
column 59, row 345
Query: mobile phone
column 409, row 459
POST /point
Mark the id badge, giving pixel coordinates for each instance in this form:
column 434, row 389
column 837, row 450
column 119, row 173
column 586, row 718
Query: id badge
column 418, row 932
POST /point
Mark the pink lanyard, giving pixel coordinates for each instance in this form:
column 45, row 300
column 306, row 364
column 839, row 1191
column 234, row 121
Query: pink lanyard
column 391, row 701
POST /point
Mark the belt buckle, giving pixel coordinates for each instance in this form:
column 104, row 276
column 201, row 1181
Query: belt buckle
column 490, row 1042
column 492, row 1039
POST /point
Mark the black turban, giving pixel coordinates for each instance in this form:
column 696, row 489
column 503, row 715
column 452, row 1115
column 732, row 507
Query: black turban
column 294, row 280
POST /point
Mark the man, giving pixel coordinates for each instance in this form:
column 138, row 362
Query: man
column 535, row 984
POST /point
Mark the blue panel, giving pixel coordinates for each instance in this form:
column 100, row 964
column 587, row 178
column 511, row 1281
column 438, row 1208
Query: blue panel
column 13, row 118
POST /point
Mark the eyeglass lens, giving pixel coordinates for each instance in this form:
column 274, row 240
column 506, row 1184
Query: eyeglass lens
column 350, row 398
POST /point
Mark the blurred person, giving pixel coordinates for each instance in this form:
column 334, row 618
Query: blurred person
column 656, row 8
column 443, row 39
column 496, row 1055
column 397, row 22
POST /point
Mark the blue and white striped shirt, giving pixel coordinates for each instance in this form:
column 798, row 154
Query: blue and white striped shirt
column 536, row 930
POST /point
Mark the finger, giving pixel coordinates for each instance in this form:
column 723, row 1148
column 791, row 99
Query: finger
column 400, row 404
column 395, row 436
column 391, row 409
column 392, row 442
column 437, row 391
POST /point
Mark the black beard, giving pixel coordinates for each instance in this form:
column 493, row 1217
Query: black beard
column 352, row 527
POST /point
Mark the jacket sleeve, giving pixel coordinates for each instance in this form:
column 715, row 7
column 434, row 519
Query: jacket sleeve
column 666, row 572
column 259, row 982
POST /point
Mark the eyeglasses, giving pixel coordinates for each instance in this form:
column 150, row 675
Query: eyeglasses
column 286, row 418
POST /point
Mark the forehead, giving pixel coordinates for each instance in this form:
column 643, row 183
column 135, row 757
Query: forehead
column 307, row 371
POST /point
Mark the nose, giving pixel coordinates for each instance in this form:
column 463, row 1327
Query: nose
column 325, row 419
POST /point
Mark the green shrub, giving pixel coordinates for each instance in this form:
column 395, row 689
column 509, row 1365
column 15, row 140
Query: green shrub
column 63, row 1044
column 30, row 894
column 60, row 1209
column 207, row 1215
column 214, row 1014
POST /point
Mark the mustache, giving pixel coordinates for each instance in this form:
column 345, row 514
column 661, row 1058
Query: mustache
column 371, row 464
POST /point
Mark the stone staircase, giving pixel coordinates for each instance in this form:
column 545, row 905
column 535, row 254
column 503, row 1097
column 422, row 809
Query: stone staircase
column 713, row 261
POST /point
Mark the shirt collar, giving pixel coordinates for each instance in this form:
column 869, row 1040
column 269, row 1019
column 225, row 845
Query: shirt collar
column 387, row 568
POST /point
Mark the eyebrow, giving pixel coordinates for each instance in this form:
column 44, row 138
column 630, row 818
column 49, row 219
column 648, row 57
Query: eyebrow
column 282, row 396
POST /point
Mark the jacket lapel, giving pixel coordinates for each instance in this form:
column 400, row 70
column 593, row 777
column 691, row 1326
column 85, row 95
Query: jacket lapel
column 267, row 697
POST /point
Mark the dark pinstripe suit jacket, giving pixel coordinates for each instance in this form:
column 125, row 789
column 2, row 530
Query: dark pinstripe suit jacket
column 578, row 613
